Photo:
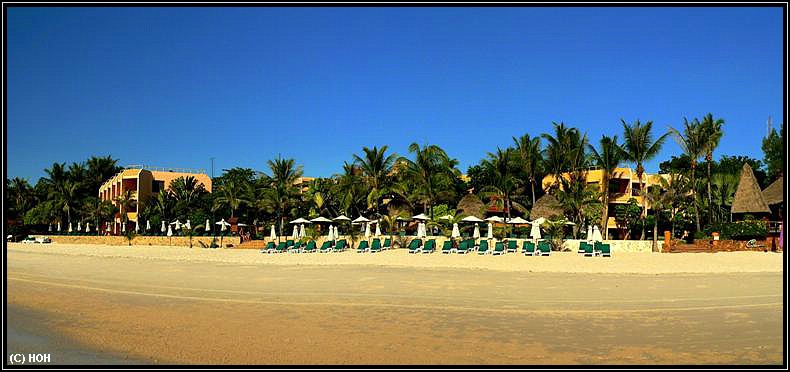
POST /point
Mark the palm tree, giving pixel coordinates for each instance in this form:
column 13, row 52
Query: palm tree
column 575, row 196
column 230, row 195
column 99, row 170
column 20, row 195
column 351, row 194
column 284, row 171
column 186, row 191
column 565, row 151
column 531, row 159
column 692, row 141
column 125, row 202
column 432, row 173
column 64, row 196
column 608, row 159
column 280, row 192
column 713, row 133
column 376, row 168
column 501, row 166
column 162, row 203
column 98, row 210
column 640, row 147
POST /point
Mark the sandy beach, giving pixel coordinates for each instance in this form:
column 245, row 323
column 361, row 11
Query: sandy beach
column 185, row 306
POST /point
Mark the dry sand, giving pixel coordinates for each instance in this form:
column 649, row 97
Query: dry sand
column 176, row 305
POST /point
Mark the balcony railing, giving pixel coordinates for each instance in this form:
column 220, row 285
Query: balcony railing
column 165, row 169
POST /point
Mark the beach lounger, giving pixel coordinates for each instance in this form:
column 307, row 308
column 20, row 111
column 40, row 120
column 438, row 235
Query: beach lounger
column 544, row 248
column 296, row 248
column 430, row 246
column 326, row 247
column 310, row 247
column 363, row 246
column 605, row 250
column 447, row 247
column 512, row 246
column 464, row 246
column 529, row 248
column 387, row 244
column 340, row 246
column 581, row 247
column 415, row 246
column 588, row 250
column 483, row 249
column 376, row 246
column 269, row 248
column 499, row 248
column 282, row 247
column 289, row 243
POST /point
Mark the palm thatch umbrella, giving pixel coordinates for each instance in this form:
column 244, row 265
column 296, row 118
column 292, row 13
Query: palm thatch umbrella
column 471, row 205
column 547, row 206
column 748, row 197
column 774, row 194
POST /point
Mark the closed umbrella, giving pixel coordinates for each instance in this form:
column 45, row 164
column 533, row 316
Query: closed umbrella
column 79, row 226
column 330, row 234
column 337, row 233
column 378, row 229
column 208, row 226
column 535, row 231
column 295, row 233
column 148, row 225
column 123, row 228
column 476, row 234
column 136, row 226
column 188, row 225
column 597, row 234
column 69, row 226
column 58, row 226
column 456, row 233
column 490, row 232
column 367, row 230
column 169, row 231
column 301, row 231
column 163, row 229
column 87, row 227
column 178, row 225
column 50, row 227
column 272, row 234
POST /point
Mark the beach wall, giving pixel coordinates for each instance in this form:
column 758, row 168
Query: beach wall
column 197, row 241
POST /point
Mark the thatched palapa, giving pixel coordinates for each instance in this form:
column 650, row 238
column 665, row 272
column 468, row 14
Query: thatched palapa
column 749, row 197
column 471, row 205
column 547, row 207
column 774, row 193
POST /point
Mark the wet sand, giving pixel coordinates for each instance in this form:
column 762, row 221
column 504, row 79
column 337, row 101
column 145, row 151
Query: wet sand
column 177, row 311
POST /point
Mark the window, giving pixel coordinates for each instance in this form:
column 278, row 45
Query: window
column 157, row 186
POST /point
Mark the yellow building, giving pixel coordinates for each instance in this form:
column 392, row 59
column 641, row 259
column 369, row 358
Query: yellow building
column 145, row 182
column 623, row 185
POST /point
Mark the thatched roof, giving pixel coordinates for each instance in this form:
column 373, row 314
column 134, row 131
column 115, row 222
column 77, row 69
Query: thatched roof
column 749, row 197
column 774, row 193
column 471, row 205
column 547, row 207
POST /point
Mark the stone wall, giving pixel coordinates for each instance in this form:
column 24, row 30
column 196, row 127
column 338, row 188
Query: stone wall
column 197, row 241
column 707, row 245
column 620, row 245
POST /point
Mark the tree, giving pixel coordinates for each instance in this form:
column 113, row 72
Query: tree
column 608, row 159
column 504, row 183
column 529, row 152
column 713, row 133
column 98, row 210
column 230, row 195
column 693, row 143
column 576, row 196
column 280, row 192
column 773, row 149
column 565, row 151
column 627, row 216
column 19, row 197
column 376, row 166
column 186, row 191
column 125, row 202
column 640, row 147
column 431, row 172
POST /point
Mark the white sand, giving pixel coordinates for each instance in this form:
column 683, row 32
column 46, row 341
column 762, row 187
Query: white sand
column 640, row 263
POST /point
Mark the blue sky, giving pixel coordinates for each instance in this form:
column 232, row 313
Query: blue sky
column 174, row 87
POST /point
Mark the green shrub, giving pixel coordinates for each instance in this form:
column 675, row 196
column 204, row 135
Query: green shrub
column 740, row 230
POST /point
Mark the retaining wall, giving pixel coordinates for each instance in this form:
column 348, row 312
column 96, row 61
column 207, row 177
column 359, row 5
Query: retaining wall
column 197, row 241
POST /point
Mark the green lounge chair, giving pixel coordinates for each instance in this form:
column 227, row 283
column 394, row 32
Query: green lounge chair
column 282, row 247
column 269, row 248
column 463, row 247
column 376, row 246
column 581, row 247
column 544, row 248
column 415, row 246
column 483, row 249
column 326, row 247
column 529, row 248
column 310, row 247
column 430, row 246
column 605, row 250
column 296, row 248
column 363, row 246
column 447, row 247
column 587, row 249
column 340, row 246
column 289, row 243
column 387, row 244
column 512, row 246
column 499, row 248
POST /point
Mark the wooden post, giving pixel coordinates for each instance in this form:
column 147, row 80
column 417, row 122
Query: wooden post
column 667, row 241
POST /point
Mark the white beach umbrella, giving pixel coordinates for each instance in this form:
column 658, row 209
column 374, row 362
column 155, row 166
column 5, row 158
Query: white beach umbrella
column 341, row 218
column 223, row 225
column 494, row 219
column 360, row 219
column 471, row 219
column 69, row 226
column 456, row 233
column 597, row 234
column 299, row 220
column 378, row 229
column 367, row 230
column 330, row 234
column 169, row 231
column 301, row 231
column 534, row 233
column 490, row 232
column 272, row 234
column 589, row 233
column 79, row 226
column 123, row 228
column 446, row 217
column 136, row 226
column 517, row 221
column 188, row 225
column 178, row 225
column 50, row 227
column 114, row 228
column 58, row 226
column 107, row 227
column 163, row 229
column 421, row 216
column 208, row 225
column 476, row 234
column 335, row 234
column 320, row 219
column 295, row 233
column 87, row 227
column 148, row 225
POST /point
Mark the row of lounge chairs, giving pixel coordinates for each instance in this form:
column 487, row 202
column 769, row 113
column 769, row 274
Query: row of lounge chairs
column 595, row 249
column 328, row 246
column 466, row 246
